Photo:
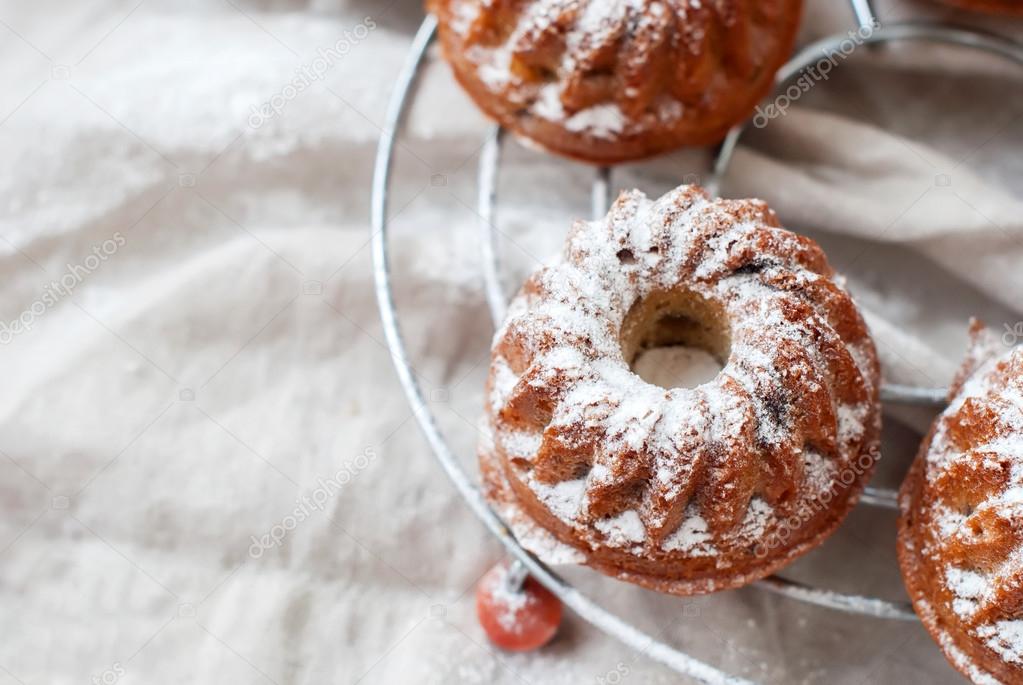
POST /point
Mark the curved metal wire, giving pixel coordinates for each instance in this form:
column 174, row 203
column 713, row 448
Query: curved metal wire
column 864, row 11
column 583, row 606
column 867, row 606
column 600, row 196
column 894, row 393
column 811, row 54
column 490, row 162
column 883, row 498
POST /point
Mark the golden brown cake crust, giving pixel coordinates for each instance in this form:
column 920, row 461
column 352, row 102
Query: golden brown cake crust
column 607, row 81
column 960, row 541
column 683, row 490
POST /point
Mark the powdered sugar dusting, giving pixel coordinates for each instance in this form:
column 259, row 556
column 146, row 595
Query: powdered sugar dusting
column 611, row 68
column 564, row 499
column 969, row 509
column 692, row 537
column 1006, row 638
column 508, row 601
column 758, row 517
column 851, row 418
column 625, row 463
column 603, row 121
column 623, row 529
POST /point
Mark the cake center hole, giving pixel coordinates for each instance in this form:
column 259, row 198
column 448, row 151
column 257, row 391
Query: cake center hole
column 676, row 366
column 675, row 339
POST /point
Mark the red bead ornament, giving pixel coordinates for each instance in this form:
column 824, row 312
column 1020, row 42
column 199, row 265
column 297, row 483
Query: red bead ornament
column 516, row 617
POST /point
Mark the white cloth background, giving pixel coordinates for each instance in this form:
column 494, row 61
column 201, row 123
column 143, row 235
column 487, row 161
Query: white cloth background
column 227, row 356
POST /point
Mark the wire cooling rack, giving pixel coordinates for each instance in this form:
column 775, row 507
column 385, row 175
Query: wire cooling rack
column 524, row 562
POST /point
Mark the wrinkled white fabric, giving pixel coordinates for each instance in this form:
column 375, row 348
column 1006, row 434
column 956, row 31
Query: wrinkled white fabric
column 209, row 472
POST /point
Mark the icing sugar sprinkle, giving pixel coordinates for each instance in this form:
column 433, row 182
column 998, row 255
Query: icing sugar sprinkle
column 564, row 357
column 610, row 68
column 973, row 481
column 507, row 601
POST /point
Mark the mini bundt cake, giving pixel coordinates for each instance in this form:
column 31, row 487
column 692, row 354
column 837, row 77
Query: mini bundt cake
column 961, row 524
column 606, row 81
column 683, row 490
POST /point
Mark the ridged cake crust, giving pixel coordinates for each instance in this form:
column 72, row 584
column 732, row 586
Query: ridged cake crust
column 961, row 526
column 688, row 489
column 612, row 80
